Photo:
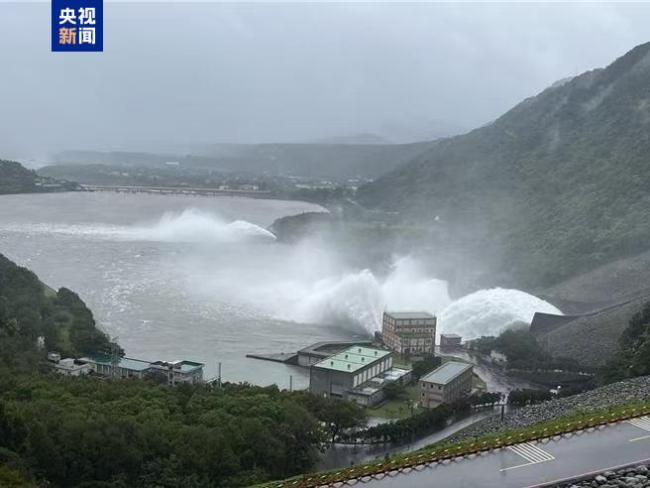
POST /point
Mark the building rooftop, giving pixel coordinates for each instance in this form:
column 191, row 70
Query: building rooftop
column 451, row 336
column 410, row 315
column 127, row 363
column 447, row 372
column 394, row 374
column 187, row 366
column 182, row 366
column 140, row 365
column 352, row 359
column 331, row 347
column 365, row 390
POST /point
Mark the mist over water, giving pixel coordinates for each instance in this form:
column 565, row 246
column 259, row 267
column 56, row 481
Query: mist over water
column 193, row 225
column 181, row 277
column 189, row 226
column 312, row 286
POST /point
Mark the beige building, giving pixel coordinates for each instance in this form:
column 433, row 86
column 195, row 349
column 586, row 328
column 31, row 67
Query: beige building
column 449, row 382
column 409, row 332
column 450, row 341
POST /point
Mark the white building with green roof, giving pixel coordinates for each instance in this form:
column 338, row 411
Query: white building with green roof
column 357, row 373
column 172, row 373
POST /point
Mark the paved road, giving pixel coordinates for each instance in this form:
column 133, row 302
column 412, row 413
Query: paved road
column 341, row 455
column 534, row 463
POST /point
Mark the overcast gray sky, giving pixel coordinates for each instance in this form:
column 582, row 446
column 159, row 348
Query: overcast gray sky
column 212, row 72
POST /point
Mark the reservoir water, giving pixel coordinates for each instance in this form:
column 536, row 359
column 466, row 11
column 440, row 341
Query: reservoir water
column 200, row 278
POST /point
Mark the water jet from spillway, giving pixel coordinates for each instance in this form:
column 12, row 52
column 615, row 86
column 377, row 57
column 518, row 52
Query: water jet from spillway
column 489, row 312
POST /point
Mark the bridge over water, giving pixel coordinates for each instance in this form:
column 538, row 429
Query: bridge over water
column 178, row 190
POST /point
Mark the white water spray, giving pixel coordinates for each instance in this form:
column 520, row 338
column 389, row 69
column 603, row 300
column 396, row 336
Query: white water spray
column 306, row 283
column 489, row 312
column 312, row 288
column 189, row 226
column 199, row 227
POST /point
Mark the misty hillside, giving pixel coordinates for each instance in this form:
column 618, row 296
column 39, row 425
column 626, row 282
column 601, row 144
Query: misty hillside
column 556, row 186
column 329, row 161
column 15, row 178
column 363, row 139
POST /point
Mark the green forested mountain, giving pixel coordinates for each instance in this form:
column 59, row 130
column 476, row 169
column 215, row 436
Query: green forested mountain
column 557, row 185
column 82, row 432
column 14, row 178
column 29, row 309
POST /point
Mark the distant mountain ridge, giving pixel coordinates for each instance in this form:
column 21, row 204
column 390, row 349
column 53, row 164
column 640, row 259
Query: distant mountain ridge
column 335, row 161
column 363, row 139
column 558, row 185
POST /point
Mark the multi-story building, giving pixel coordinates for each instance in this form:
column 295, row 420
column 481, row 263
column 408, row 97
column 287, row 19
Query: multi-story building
column 121, row 368
column 450, row 341
column 357, row 373
column 409, row 332
column 178, row 371
column 171, row 373
column 449, row 382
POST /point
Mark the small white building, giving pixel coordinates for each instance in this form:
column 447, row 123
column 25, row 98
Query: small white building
column 173, row 373
column 498, row 358
column 68, row 366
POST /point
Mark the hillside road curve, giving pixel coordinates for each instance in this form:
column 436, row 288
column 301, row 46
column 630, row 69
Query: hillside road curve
column 534, row 464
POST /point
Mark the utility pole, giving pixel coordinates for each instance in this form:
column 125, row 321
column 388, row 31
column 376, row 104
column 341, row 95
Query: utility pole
column 290, row 383
column 115, row 356
column 219, row 376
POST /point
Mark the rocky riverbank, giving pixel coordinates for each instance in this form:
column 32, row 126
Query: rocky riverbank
column 633, row 477
column 607, row 396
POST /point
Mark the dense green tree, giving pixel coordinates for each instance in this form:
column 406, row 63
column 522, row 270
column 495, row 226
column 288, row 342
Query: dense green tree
column 633, row 358
column 395, row 391
column 424, row 366
column 340, row 415
column 11, row 478
column 519, row 345
column 94, row 433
